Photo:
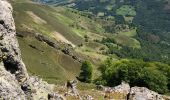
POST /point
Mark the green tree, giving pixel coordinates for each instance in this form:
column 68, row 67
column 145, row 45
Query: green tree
column 154, row 76
column 155, row 80
column 86, row 72
column 165, row 69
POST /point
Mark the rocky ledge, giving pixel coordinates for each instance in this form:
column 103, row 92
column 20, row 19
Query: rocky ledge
column 132, row 93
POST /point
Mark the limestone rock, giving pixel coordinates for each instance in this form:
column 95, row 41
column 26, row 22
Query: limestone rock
column 40, row 88
column 15, row 84
column 9, row 44
column 55, row 96
column 122, row 88
column 9, row 88
column 13, row 73
column 88, row 97
column 142, row 93
column 124, row 91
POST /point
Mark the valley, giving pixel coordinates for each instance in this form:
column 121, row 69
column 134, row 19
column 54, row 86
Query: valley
column 120, row 38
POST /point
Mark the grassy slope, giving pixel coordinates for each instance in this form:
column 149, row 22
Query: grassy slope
column 48, row 63
column 127, row 39
column 46, row 13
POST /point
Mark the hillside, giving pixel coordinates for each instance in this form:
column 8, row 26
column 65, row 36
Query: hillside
column 56, row 24
column 120, row 38
column 152, row 32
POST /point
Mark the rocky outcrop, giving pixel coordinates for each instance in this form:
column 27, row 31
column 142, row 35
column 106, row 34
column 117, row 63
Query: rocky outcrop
column 122, row 88
column 67, row 49
column 142, row 93
column 9, row 86
column 15, row 84
column 125, row 92
column 41, row 90
column 13, row 73
column 11, row 55
column 72, row 88
column 47, row 40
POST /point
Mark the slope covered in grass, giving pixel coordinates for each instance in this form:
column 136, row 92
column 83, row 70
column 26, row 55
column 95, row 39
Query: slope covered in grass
column 60, row 24
column 47, row 62
column 26, row 21
column 40, row 58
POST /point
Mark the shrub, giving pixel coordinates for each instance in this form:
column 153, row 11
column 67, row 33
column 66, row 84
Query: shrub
column 154, row 76
column 86, row 72
column 155, row 80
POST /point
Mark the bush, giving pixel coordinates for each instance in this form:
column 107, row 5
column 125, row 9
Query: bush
column 86, row 72
column 155, row 80
column 137, row 73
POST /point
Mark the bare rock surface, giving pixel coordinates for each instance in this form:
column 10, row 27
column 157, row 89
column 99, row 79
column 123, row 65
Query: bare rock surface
column 133, row 93
column 142, row 93
column 9, row 88
column 13, row 72
column 122, row 88
column 15, row 83
column 9, row 44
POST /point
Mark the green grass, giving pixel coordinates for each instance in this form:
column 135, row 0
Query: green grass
column 58, row 19
column 126, row 10
column 55, row 22
column 51, row 65
column 126, row 38
column 128, row 19
column 129, row 33
column 127, row 41
column 46, row 62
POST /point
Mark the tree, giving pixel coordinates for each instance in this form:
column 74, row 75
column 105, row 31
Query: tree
column 155, row 80
column 86, row 72
column 152, row 75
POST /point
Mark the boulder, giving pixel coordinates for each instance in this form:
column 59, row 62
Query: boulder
column 122, row 88
column 142, row 93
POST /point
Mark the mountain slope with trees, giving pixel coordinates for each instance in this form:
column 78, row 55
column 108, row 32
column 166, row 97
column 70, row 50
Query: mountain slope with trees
column 73, row 31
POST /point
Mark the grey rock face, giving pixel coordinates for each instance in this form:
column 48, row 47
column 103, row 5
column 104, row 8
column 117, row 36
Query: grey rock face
column 135, row 93
column 142, row 93
column 9, row 88
column 9, row 44
column 55, row 96
column 122, row 88
column 15, row 84
column 13, row 73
